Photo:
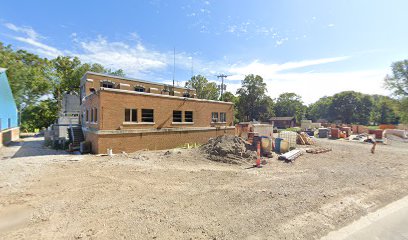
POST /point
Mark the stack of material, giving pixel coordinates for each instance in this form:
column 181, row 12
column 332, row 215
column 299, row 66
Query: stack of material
column 304, row 139
column 291, row 155
column 228, row 149
column 318, row 150
column 290, row 137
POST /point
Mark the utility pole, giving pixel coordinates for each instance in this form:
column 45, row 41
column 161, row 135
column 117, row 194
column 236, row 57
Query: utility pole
column 222, row 86
column 174, row 64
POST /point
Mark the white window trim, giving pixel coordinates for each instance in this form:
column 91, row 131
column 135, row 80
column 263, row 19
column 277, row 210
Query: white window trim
column 182, row 123
column 124, row 84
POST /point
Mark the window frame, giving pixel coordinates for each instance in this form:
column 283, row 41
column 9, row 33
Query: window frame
column 146, row 119
column 139, row 87
column 107, row 83
column 179, row 119
column 132, row 114
column 224, row 118
column 212, row 117
column 187, row 119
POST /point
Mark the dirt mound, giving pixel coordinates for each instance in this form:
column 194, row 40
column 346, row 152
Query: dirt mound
column 228, row 149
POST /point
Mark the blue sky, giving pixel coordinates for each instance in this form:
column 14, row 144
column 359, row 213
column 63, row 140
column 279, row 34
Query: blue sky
column 313, row 48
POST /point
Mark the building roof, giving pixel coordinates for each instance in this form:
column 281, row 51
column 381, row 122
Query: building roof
column 281, row 118
column 132, row 79
column 159, row 95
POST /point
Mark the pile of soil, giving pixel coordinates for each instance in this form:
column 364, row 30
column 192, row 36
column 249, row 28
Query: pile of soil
column 228, row 149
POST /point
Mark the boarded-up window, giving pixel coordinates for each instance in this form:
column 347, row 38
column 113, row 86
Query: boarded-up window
column 223, row 117
column 130, row 115
column 188, row 116
column 147, row 115
column 177, row 116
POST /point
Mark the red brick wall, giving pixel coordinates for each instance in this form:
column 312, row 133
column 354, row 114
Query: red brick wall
column 132, row 142
column 111, row 110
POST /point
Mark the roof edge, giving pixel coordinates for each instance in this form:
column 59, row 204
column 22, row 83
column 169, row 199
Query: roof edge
column 131, row 79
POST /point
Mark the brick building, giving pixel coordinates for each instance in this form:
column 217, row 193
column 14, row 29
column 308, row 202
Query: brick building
column 125, row 114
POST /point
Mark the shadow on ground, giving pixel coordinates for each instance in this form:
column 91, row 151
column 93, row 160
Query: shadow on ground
column 29, row 147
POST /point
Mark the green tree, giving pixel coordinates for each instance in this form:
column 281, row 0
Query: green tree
column 351, row 107
column 229, row 97
column 253, row 102
column 39, row 115
column 403, row 110
column 320, row 109
column 29, row 75
column 290, row 104
column 384, row 110
column 204, row 88
column 398, row 80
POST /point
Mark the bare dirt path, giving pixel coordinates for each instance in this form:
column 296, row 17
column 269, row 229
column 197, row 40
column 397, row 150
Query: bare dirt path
column 181, row 195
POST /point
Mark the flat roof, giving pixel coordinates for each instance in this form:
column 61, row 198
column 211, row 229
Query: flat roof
column 131, row 79
column 160, row 95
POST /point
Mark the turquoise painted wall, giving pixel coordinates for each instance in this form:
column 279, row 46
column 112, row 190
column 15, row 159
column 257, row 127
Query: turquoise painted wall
column 8, row 108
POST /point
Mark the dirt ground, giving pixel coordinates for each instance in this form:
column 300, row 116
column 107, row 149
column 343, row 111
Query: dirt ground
column 47, row 194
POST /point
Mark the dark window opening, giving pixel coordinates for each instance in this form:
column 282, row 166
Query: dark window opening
column 147, row 115
column 96, row 115
column 177, row 116
column 107, row 84
column 87, row 115
column 92, row 114
column 139, row 89
column 186, row 94
column 214, row 117
column 188, row 116
column 223, row 117
column 130, row 115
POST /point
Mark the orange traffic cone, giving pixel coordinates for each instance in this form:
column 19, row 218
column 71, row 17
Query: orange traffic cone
column 258, row 157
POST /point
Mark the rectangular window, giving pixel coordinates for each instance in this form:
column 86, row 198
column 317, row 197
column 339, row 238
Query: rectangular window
column 92, row 114
column 147, row 115
column 96, row 115
column 188, row 116
column 130, row 115
column 87, row 115
column 177, row 116
column 107, row 84
column 214, row 117
column 223, row 117
column 139, row 89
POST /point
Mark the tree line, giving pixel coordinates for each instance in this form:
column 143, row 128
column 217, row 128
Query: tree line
column 38, row 84
column 252, row 102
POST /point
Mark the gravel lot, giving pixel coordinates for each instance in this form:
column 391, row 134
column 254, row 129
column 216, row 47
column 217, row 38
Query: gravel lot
column 47, row 194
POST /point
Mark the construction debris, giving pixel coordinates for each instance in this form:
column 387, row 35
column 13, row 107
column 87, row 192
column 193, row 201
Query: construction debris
column 318, row 150
column 291, row 155
column 304, row 139
column 228, row 149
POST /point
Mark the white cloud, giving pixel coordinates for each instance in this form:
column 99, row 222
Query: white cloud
column 140, row 61
column 25, row 30
column 310, row 85
column 330, row 25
